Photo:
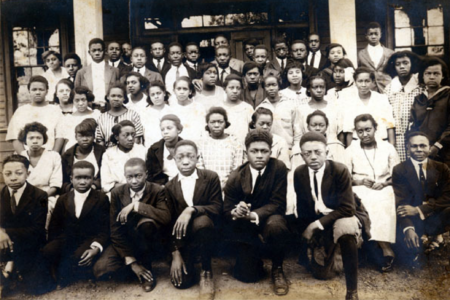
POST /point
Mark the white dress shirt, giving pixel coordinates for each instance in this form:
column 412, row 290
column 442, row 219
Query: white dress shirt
column 136, row 197
column 170, row 167
column 225, row 75
column 255, row 174
column 161, row 62
column 98, row 82
column 281, row 62
column 375, row 53
column 194, row 66
column 139, row 70
column 188, row 187
column 79, row 199
column 417, row 168
column 319, row 206
column 18, row 194
column 114, row 64
column 317, row 58
column 171, row 76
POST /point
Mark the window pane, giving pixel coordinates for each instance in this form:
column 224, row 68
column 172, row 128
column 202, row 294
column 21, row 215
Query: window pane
column 435, row 17
column 194, row 21
column 25, row 42
column 404, row 37
column 436, row 50
column 401, row 18
column 435, row 35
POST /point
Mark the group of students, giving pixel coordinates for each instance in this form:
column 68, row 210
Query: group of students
column 301, row 145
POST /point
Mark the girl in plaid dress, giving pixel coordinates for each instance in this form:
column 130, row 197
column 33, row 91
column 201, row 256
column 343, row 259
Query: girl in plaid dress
column 401, row 91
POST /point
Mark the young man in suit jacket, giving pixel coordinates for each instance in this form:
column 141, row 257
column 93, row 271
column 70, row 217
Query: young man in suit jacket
column 138, row 215
column 299, row 52
column 422, row 193
column 114, row 52
column 280, row 52
column 235, row 63
column 375, row 56
column 79, row 227
column 98, row 76
column 326, row 205
column 223, row 56
column 195, row 199
column 23, row 212
column 261, row 57
column 316, row 57
column 253, row 93
column 255, row 202
column 138, row 61
column 158, row 62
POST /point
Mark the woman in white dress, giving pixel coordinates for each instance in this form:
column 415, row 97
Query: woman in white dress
column 151, row 116
column 45, row 165
column 113, row 162
column 371, row 163
column 55, row 71
column 211, row 94
column 136, row 87
column 295, row 92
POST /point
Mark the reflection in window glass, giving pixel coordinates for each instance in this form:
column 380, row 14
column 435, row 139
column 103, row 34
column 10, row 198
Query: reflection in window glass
column 249, row 18
column 25, row 47
column 191, row 22
column 152, row 23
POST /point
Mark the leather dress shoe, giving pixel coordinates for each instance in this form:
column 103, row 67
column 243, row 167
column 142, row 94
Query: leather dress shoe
column 280, row 285
column 352, row 295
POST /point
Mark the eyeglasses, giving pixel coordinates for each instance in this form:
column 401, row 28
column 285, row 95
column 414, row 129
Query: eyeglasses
column 188, row 156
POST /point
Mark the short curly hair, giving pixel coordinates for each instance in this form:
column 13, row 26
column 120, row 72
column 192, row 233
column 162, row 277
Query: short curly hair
column 143, row 81
column 258, row 135
column 162, row 86
column 217, row 110
column 311, row 79
column 83, row 90
column 315, row 114
column 364, row 118
column 33, row 127
column 118, row 128
column 390, row 66
column 121, row 87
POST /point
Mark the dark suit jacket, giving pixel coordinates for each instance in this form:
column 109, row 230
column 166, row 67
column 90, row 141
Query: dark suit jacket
column 408, row 190
column 260, row 96
column 84, row 77
column 152, row 207
column 27, row 226
column 275, row 65
column 197, row 74
column 323, row 59
column 67, row 160
column 269, row 199
column 232, row 71
column 92, row 225
column 121, row 66
column 336, row 192
column 155, row 163
column 151, row 66
column 207, row 196
column 150, row 75
column 381, row 79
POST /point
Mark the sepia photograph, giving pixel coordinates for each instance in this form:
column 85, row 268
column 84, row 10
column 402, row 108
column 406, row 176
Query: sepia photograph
column 225, row 149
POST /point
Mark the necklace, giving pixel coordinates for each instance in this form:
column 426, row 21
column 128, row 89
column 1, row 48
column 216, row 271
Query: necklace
column 368, row 160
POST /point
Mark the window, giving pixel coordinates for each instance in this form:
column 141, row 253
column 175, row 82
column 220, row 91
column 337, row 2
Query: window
column 421, row 32
column 250, row 18
column 29, row 44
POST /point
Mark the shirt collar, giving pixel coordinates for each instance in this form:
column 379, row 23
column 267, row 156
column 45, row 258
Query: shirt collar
column 193, row 176
column 319, row 172
column 256, row 172
column 437, row 92
column 81, row 196
column 416, row 162
column 19, row 191
column 396, row 85
column 98, row 65
column 191, row 64
column 139, row 193
column 377, row 47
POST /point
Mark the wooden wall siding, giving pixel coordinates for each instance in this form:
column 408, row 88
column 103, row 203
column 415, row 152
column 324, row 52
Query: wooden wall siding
column 5, row 150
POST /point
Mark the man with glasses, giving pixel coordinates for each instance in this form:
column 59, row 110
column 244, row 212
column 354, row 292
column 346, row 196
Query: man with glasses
column 326, row 206
column 138, row 214
column 195, row 199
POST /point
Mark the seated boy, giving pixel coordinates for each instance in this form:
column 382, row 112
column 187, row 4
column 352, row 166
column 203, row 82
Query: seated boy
column 422, row 194
column 114, row 52
column 98, row 76
column 79, row 227
column 23, row 211
column 195, row 198
column 72, row 63
column 255, row 202
column 158, row 63
column 326, row 206
column 138, row 62
column 138, row 214
column 375, row 56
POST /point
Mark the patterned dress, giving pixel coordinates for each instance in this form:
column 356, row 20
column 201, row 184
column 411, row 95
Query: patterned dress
column 402, row 99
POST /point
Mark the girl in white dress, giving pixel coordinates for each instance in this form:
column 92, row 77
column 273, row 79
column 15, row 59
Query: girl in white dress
column 295, row 91
column 136, row 87
column 211, row 94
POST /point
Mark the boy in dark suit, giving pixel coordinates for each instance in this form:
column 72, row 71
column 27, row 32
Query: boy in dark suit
column 375, row 56
column 223, row 56
column 98, row 76
column 138, row 214
column 114, row 52
column 316, row 57
column 261, row 56
column 79, row 227
column 195, row 199
column 192, row 56
column 422, row 194
column 222, row 40
column 299, row 52
column 281, row 51
column 326, row 205
column 23, row 211
column 255, row 202
column 158, row 63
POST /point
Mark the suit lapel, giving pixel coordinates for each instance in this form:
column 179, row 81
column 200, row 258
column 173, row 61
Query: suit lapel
column 326, row 181
column 89, row 79
column 246, row 180
column 126, row 199
column 179, row 193
column 432, row 177
column 365, row 55
column 71, row 203
column 24, row 200
column 108, row 74
column 413, row 178
column 88, row 204
column 200, row 185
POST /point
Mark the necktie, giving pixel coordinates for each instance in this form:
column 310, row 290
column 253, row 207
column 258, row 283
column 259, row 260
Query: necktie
column 312, row 59
column 138, row 70
column 422, row 177
column 113, row 64
column 222, row 75
column 282, row 64
column 159, row 65
column 178, row 72
column 316, row 186
column 257, row 182
column 195, row 67
column 13, row 202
